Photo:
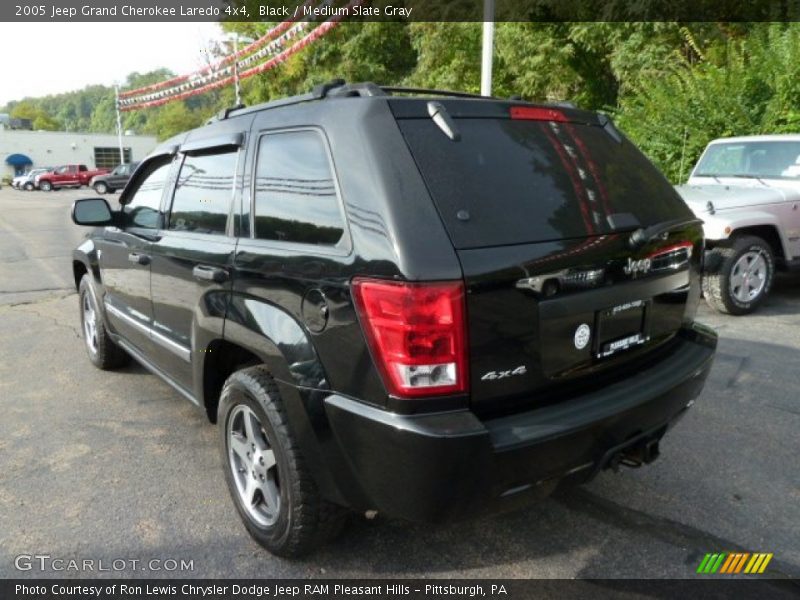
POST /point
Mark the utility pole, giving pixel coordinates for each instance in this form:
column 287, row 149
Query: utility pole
column 119, row 125
column 236, row 69
column 488, row 47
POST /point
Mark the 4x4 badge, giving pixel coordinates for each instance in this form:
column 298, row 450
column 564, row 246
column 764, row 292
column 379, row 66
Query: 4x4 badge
column 492, row 375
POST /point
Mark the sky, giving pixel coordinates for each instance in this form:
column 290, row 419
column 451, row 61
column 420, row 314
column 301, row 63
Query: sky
column 48, row 58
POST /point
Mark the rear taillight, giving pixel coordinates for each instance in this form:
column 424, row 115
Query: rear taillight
column 417, row 335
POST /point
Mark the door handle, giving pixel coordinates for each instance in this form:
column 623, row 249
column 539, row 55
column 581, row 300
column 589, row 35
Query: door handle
column 206, row 273
column 139, row 259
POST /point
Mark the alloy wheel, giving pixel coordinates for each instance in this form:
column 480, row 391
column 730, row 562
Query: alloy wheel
column 749, row 276
column 253, row 465
column 89, row 323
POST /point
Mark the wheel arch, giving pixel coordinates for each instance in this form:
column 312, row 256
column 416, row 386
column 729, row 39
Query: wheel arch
column 749, row 222
column 84, row 260
column 259, row 333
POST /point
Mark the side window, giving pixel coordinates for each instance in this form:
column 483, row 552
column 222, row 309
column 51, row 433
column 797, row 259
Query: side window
column 143, row 204
column 62, row 170
column 203, row 193
column 295, row 195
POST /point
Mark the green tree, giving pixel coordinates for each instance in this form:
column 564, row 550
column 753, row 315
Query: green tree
column 27, row 109
column 173, row 119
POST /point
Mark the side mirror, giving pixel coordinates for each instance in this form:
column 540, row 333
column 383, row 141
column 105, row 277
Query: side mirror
column 92, row 211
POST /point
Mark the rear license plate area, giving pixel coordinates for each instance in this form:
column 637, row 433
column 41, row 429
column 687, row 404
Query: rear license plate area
column 621, row 328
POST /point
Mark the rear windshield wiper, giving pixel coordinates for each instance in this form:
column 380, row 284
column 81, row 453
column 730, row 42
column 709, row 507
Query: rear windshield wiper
column 644, row 235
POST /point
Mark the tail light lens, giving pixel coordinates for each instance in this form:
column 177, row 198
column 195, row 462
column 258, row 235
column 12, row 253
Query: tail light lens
column 417, row 335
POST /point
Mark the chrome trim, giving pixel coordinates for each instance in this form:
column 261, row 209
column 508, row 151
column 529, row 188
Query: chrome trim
column 138, row 356
column 182, row 352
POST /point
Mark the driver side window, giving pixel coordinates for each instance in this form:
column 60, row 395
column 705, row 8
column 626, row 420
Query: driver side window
column 142, row 208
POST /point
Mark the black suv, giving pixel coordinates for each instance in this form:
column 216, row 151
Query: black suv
column 115, row 180
column 407, row 301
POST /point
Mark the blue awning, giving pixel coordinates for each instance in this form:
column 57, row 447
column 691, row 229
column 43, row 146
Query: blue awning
column 18, row 160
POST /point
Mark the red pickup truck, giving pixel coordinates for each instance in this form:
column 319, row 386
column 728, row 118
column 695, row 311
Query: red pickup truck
column 67, row 176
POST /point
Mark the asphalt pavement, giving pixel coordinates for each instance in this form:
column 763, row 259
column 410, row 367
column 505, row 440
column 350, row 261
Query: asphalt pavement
column 97, row 465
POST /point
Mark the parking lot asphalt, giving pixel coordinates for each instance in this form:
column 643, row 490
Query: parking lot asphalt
column 98, row 465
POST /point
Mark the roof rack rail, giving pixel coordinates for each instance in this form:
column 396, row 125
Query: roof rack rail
column 226, row 112
column 429, row 92
column 322, row 90
column 339, row 88
column 365, row 89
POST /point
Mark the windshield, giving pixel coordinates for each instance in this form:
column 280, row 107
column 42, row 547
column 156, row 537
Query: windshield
column 769, row 160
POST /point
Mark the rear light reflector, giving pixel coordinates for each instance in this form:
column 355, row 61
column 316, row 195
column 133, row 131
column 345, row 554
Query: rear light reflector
column 537, row 113
column 417, row 335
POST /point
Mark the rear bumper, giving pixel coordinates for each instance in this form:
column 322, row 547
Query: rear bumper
column 452, row 465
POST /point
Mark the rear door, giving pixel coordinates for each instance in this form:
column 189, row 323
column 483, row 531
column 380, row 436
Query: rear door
column 540, row 209
column 192, row 258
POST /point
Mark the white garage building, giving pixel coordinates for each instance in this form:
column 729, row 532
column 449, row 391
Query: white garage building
column 21, row 150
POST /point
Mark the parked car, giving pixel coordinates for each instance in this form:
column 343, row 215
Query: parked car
column 113, row 181
column 27, row 181
column 15, row 181
column 747, row 191
column 427, row 305
column 67, row 176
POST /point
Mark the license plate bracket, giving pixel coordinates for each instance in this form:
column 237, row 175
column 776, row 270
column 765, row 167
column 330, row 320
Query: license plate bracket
column 621, row 328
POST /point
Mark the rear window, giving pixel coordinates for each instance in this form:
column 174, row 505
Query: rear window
column 519, row 181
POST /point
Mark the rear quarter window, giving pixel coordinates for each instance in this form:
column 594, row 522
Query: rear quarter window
column 516, row 181
column 295, row 193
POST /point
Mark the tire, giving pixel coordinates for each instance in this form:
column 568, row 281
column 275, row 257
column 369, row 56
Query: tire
column 29, row 187
column 102, row 351
column 101, row 188
column 269, row 482
column 46, row 186
column 738, row 275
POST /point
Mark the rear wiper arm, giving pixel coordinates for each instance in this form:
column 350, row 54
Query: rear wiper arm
column 644, row 235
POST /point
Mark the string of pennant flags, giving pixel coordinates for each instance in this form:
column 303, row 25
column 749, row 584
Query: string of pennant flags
column 277, row 30
column 267, row 52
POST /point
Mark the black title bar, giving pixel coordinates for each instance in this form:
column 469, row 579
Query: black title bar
column 400, row 10
column 403, row 589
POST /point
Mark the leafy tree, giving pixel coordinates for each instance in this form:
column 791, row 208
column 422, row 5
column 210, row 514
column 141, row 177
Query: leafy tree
column 172, row 119
column 748, row 84
column 27, row 109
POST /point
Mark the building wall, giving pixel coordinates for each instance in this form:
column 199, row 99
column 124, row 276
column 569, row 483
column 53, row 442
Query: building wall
column 54, row 148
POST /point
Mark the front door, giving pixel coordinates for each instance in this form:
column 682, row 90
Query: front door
column 124, row 256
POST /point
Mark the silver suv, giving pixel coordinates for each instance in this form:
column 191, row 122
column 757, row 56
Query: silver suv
column 747, row 191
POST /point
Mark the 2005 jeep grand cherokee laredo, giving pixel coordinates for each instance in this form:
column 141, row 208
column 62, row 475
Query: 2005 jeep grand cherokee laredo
column 424, row 304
